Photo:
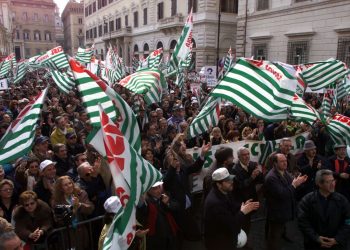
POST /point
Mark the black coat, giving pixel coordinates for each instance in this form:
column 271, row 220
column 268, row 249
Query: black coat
column 343, row 185
column 333, row 223
column 245, row 185
column 222, row 221
column 279, row 194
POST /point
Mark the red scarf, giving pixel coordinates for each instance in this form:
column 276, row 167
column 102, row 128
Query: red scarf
column 152, row 218
column 337, row 166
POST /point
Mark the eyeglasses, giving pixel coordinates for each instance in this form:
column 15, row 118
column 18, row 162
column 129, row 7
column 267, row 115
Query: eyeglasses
column 29, row 204
column 7, row 190
column 34, row 166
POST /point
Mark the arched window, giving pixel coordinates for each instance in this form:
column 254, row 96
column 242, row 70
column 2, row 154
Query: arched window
column 145, row 50
column 136, row 49
column 173, row 44
column 37, row 36
column 47, row 36
column 159, row 45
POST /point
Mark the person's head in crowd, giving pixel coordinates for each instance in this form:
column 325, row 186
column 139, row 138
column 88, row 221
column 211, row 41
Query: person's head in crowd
column 246, row 132
column 309, row 149
column 54, row 101
column 3, row 127
column 178, row 111
column 183, row 126
column 80, row 159
column 145, row 143
column 85, row 171
column 64, row 188
column 6, row 118
column 60, row 122
column 88, row 126
column 60, row 151
column 216, row 136
column 41, row 144
column 22, row 103
column 171, row 160
column 229, row 125
column 33, row 167
column 224, row 157
column 152, row 130
column 2, row 173
column 70, row 109
column 340, row 151
column 178, row 145
column 5, row 226
column 156, row 190
column 83, row 116
column 153, row 117
column 66, row 117
column 165, row 105
column 6, row 189
column 222, row 180
column 171, row 132
column 29, row 201
column 112, row 205
column 253, row 121
column 13, row 105
column 280, row 162
column 163, row 125
column 71, row 138
column 48, row 169
column 325, row 181
column 232, row 136
column 243, row 155
column 148, row 155
column 285, row 146
column 38, row 131
column 304, row 127
column 159, row 112
column 10, row 241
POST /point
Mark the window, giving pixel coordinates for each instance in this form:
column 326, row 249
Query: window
column 260, row 51
column 26, row 35
column 160, row 10
column 99, row 4
column 87, row 34
column 17, row 34
column 80, row 20
column 118, row 23
column 80, row 31
column 111, row 26
column 298, row 52
column 100, row 30
column 37, row 36
column 105, row 28
column 1, row 19
column 36, row 17
column 262, row 4
column 46, row 18
column 159, row 45
column 95, row 32
column 27, row 51
column 172, row 45
column 343, row 51
column 94, row 7
column 110, row 1
column 145, row 50
column 136, row 19
column 126, row 21
column 229, row 6
column 145, row 16
column 47, row 36
column 297, row 1
column 173, row 7
column 25, row 16
column 90, row 9
column 136, row 49
column 104, row 3
column 86, row 11
column 192, row 4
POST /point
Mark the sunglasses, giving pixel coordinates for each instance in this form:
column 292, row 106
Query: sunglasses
column 29, row 204
column 7, row 190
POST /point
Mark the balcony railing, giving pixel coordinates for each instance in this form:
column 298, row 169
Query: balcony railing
column 126, row 31
column 171, row 22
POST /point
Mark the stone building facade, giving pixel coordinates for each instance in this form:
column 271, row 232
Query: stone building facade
column 5, row 28
column 59, row 28
column 73, row 26
column 138, row 27
column 33, row 26
column 294, row 31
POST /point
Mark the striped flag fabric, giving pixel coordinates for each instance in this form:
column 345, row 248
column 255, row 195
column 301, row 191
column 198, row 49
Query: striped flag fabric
column 64, row 82
column 19, row 136
column 84, row 55
column 135, row 64
column 343, row 87
column 93, row 92
column 172, row 66
column 54, row 59
column 320, row 75
column 261, row 88
column 20, row 72
column 110, row 75
column 339, row 129
column 208, row 116
column 327, row 103
column 8, row 64
column 228, row 60
column 149, row 83
column 301, row 111
column 153, row 60
column 132, row 176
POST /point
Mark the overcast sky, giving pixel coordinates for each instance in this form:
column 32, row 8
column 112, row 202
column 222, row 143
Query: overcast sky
column 61, row 4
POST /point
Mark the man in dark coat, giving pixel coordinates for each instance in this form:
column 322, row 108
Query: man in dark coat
column 223, row 216
column 324, row 216
column 340, row 165
column 280, row 200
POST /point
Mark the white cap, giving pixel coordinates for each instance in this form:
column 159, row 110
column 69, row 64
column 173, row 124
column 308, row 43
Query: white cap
column 222, row 174
column 46, row 163
column 158, row 183
column 112, row 204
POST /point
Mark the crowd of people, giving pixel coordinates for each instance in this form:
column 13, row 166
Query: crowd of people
column 62, row 171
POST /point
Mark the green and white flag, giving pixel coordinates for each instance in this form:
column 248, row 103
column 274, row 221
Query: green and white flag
column 261, row 88
column 19, row 136
column 54, row 59
column 84, row 55
column 20, row 72
column 343, row 87
column 321, row 75
column 132, row 176
column 153, row 60
column 228, row 60
column 110, row 75
column 327, row 103
column 64, row 82
column 301, row 111
column 93, row 92
column 7, row 65
column 208, row 116
column 339, row 129
column 149, row 83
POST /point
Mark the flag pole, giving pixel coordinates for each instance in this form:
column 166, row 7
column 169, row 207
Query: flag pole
column 218, row 40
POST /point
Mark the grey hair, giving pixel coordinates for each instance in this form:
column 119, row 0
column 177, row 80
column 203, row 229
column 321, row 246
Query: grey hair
column 5, row 237
column 284, row 140
column 320, row 174
column 82, row 166
column 240, row 150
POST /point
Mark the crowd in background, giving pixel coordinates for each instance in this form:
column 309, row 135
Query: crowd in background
column 62, row 169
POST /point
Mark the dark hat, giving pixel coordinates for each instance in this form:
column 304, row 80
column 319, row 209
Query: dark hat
column 223, row 153
column 309, row 144
column 339, row 145
column 41, row 139
column 70, row 135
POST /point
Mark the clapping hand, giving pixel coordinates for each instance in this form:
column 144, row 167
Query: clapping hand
column 249, row 206
column 205, row 148
column 300, row 179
